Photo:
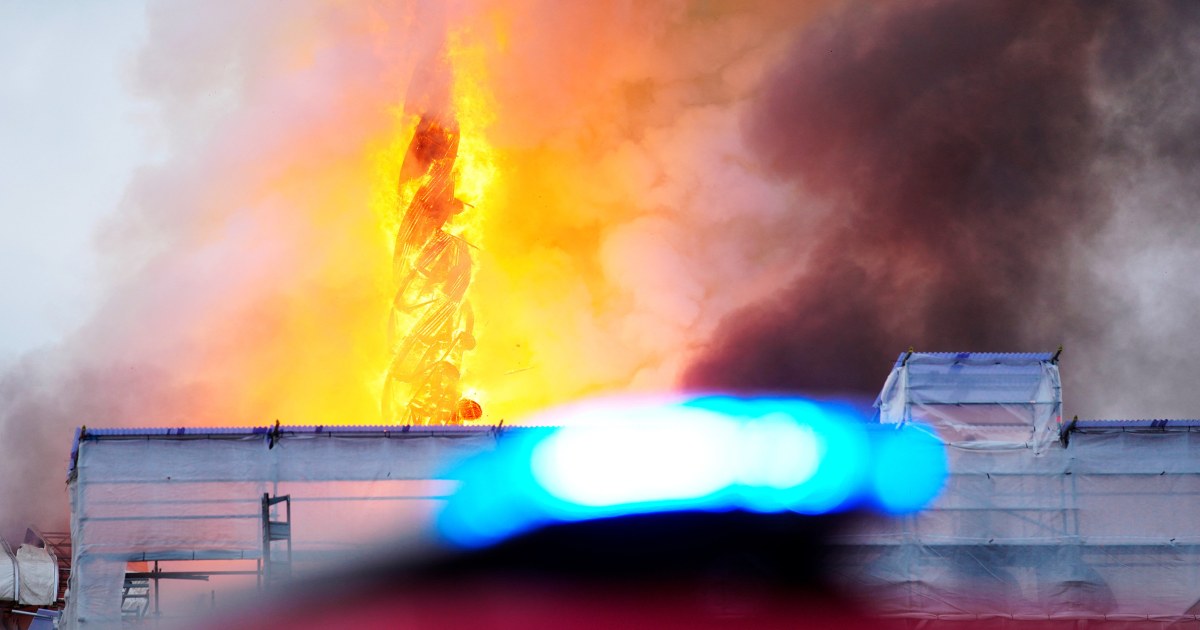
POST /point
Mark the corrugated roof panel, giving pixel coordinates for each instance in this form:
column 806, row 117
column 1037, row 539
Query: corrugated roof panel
column 1149, row 423
column 973, row 358
column 148, row 432
column 387, row 431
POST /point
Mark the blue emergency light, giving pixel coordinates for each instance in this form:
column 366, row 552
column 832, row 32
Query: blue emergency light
column 623, row 458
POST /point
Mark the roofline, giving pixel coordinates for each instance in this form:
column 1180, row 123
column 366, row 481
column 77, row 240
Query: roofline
column 1034, row 356
column 273, row 433
column 86, row 433
column 1149, row 423
column 1120, row 426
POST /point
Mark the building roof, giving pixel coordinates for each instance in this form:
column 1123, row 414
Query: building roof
column 1122, row 425
column 272, row 433
column 974, row 358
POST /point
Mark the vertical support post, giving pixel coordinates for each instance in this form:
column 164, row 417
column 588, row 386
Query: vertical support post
column 289, row 533
column 266, row 540
column 157, row 610
column 275, row 570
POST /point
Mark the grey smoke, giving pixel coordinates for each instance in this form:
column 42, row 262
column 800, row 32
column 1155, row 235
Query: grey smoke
column 971, row 175
column 1005, row 177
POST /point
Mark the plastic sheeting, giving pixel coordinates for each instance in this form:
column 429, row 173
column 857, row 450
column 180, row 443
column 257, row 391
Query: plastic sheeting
column 1109, row 526
column 8, row 574
column 182, row 495
column 975, row 399
column 28, row 577
column 38, row 576
column 1103, row 527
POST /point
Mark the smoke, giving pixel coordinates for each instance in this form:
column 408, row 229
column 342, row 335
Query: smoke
column 247, row 271
column 628, row 217
column 1143, row 361
column 987, row 164
column 240, row 279
column 745, row 194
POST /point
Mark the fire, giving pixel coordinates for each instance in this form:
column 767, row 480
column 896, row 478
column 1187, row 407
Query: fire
column 432, row 321
column 599, row 239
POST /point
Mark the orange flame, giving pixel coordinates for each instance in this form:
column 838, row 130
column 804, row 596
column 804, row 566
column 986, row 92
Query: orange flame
column 432, row 322
column 598, row 152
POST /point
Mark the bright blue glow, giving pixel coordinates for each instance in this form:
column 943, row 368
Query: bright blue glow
column 714, row 454
column 649, row 456
column 777, row 453
column 910, row 467
column 497, row 497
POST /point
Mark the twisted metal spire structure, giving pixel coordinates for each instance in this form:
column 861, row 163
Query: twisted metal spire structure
column 431, row 324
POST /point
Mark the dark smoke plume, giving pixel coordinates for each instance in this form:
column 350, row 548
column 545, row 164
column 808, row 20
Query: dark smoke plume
column 959, row 144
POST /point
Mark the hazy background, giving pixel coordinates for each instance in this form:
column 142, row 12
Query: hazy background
column 195, row 200
column 73, row 131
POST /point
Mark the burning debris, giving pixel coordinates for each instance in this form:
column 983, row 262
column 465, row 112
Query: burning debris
column 432, row 324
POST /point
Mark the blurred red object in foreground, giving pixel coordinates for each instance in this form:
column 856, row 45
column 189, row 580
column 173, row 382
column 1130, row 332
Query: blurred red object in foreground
column 678, row 570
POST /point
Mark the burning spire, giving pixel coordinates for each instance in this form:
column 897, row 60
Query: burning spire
column 432, row 324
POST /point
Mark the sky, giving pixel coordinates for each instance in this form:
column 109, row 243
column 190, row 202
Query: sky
column 73, row 132
column 199, row 202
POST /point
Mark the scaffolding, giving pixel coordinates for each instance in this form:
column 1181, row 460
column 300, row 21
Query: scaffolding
column 1088, row 520
column 1038, row 520
column 38, row 589
column 262, row 503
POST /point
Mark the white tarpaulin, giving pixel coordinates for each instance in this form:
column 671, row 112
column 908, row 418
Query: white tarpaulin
column 8, row 574
column 197, row 494
column 1103, row 527
column 977, row 400
column 38, row 576
column 28, row 577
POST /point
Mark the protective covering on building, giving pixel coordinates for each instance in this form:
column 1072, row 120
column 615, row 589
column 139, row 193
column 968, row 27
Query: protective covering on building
column 28, row 577
column 977, row 400
column 8, row 574
column 1038, row 520
column 289, row 498
column 1095, row 520
column 38, row 569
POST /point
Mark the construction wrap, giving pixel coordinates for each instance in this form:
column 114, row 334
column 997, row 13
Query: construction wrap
column 977, row 400
column 198, row 495
column 28, row 577
column 1030, row 525
column 8, row 574
column 1107, row 527
column 38, row 571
